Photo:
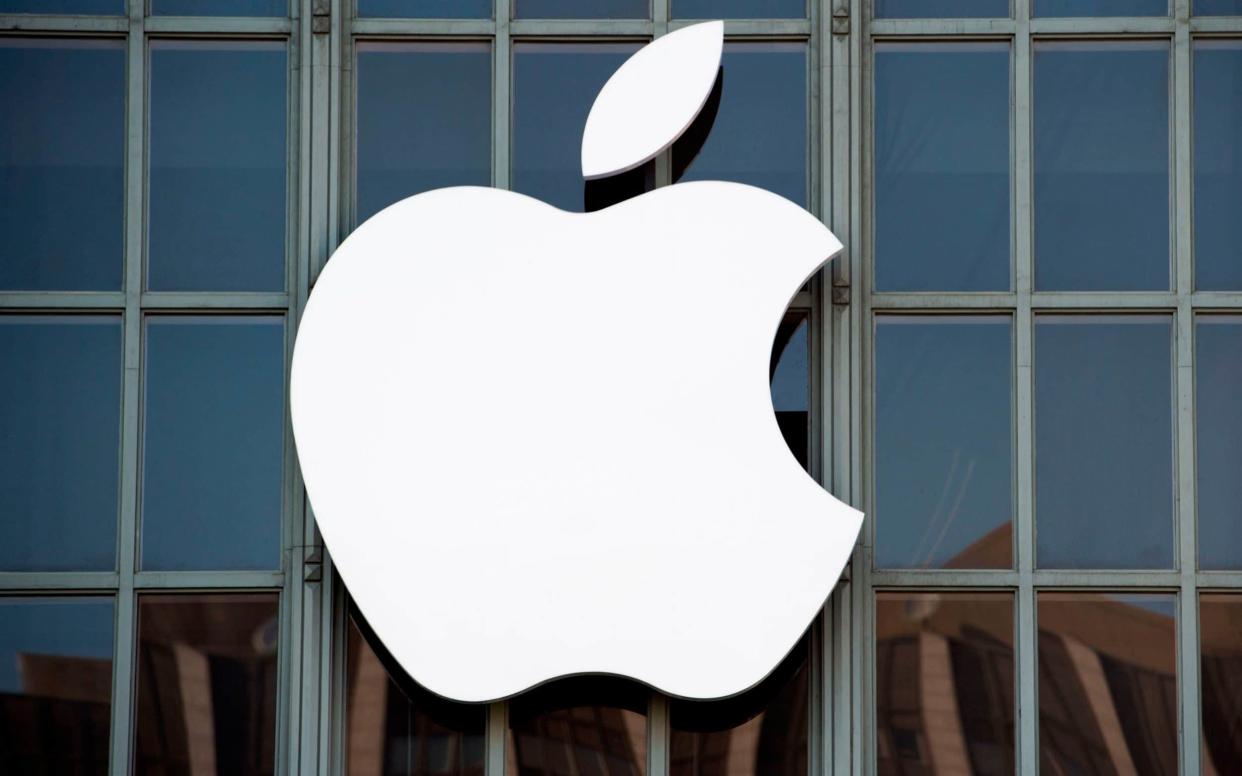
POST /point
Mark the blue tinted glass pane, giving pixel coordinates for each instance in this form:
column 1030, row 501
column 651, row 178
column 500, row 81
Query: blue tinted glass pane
column 1101, row 8
column 60, row 438
column 62, row 152
column 581, row 9
column 219, row 7
column 1218, row 164
column 739, row 9
column 790, row 372
column 1101, row 166
column 943, row 442
column 1103, row 442
column 760, row 134
column 1218, row 437
column 942, row 167
column 1218, row 7
column 554, row 85
column 55, row 685
column 214, row 431
column 427, row 9
column 945, row 9
column 217, row 166
column 424, row 120
column 113, row 7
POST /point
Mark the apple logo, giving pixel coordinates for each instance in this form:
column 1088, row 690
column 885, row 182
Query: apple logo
column 540, row 443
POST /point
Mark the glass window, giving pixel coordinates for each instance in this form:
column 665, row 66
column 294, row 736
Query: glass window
column 397, row 728
column 55, row 685
column 1218, row 7
column 217, row 166
column 219, row 7
column 427, row 9
column 60, row 438
column 1101, row 114
column 762, row 732
column 1107, row 683
column 62, row 163
column 942, row 188
column 1101, row 8
column 595, row 725
column 944, row 683
column 424, row 119
column 112, row 7
column 739, row 9
column 1218, row 163
column 943, row 442
column 213, row 440
column 554, row 86
column 206, row 689
column 933, row 9
column 1218, row 438
column 1220, row 675
column 1103, row 442
column 581, row 9
column 790, row 377
column 760, row 134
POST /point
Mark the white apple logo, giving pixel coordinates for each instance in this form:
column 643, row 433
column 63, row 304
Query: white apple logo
column 541, row 443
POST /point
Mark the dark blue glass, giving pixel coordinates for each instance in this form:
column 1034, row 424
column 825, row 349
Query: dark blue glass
column 1101, row 8
column 942, row 175
column 581, row 9
column 220, row 7
column 62, row 163
column 424, row 113
column 1218, row 164
column 739, row 9
column 1101, row 114
column 1103, row 442
column 940, row 9
column 760, row 134
column 1218, row 439
column 213, row 443
column 790, row 383
column 943, row 442
column 90, row 7
column 55, row 685
column 427, row 9
column 60, row 439
column 217, row 166
column 1217, row 7
column 554, row 86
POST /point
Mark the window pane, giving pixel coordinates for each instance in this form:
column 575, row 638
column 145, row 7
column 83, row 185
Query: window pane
column 1218, row 7
column 942, row 167
column 1101, row 166
column 1103, row 442
column 931, row 9
column 762, row 732
column 554, row 86
column 217, row 166
column 1218, row 437
column 739, row 9
column 1101, row 8
column 112, row 7
column 581, row 9
column 944, row 683
column 395, row 727
column 943, row 442
column 790, row 378
column 1107, row 683
column 219, row 7
column 212, row 451
column 1218, row 163
column 206, row 684
column 1220, row 674
column 424, row 120
column 760, row 134
column 595, row 725
column 62, row 155
column 60, row 438
column 427, row 9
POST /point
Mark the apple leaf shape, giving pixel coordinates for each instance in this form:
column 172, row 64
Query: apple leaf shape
column 651, row 100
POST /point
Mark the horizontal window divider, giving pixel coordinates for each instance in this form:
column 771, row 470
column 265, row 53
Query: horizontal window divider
column 1216, row 24
column 1093, row 578
column 62, row 300
column 942, row 578
column 1210, row 580
column 575, row 27
column 40, row 23
column 423, row 27
column 1208, row 300
column 1078, row 27
column 767, row 28
column 217, row 25
column 185, row 580
column 38, row 582
column 176, row 300
column 802, row 301
column 1108, row 300
column 942, row 27
column 931, row 301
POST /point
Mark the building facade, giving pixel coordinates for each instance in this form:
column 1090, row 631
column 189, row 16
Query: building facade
column 1024, row 369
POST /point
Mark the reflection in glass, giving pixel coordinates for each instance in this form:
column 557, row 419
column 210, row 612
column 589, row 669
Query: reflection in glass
column 581, row 9
column 394, row 727
column 424, row 119
column 62, row 155
column 1220, row 675
column 217, row 166
column 1107, row 683
column 93, row 7
column 943, row 442
column 595, row 725
column 219, row 7
column 554, row 86
column 942, row 166
column 427, row 9
column 55, row 685
column 206, row 684
column 1218, row 439
column 1218, row 163
column 762, row 732
column 1101, row 146
column 947, row 9
column 213, row 443
column 1217, row 7
column 1103, row 442
column 944, row 683
column 790, row 378
column 760, row 134
column 60, row 439
column 739, row 9
column 1101, row 8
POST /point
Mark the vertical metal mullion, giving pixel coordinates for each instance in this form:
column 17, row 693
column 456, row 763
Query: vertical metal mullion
column 497, row 730
column 658, row 734
column 854, row 731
